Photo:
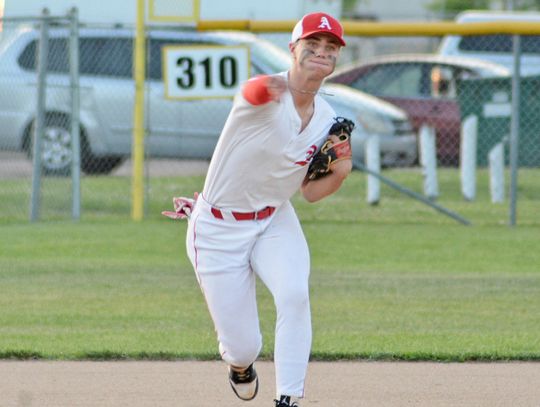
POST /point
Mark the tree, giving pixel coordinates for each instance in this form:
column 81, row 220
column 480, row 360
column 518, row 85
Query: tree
column 349, row 5
column 526, row 4
column 450, row 8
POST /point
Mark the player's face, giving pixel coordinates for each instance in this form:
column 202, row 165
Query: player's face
column 318, row 53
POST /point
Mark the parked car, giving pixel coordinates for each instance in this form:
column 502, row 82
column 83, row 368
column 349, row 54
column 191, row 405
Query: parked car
column 496, row 48
column 174, row 128
column 424, row 85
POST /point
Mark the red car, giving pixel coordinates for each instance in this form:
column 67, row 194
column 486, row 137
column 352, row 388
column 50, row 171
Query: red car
column 424, row 85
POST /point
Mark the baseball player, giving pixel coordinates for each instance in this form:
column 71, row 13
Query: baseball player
column 243, row 225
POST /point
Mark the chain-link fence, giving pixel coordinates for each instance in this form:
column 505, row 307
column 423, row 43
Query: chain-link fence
column 415, row 91
column 24, row 46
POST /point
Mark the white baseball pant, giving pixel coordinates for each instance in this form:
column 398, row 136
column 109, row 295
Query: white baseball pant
column 227, row 255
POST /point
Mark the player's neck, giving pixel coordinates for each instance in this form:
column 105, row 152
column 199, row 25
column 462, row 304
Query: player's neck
column 303, row 91
column 301, row 85
column 303, row 102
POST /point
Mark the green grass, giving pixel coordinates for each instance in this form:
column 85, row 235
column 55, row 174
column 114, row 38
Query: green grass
column 110, row 198
column 395, row 281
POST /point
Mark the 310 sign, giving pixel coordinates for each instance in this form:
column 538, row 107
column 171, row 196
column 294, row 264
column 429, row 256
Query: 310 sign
column 194, row 72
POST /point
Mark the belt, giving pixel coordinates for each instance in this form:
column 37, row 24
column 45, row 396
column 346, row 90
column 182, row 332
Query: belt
column 263, row 213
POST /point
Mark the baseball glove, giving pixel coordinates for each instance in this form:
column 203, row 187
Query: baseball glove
column 332, row 151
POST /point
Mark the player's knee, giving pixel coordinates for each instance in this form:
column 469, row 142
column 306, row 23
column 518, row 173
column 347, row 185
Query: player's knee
column 295, row 298
column 241, row 352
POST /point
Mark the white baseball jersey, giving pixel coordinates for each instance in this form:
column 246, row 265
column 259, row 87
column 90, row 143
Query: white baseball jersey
column 262, row 157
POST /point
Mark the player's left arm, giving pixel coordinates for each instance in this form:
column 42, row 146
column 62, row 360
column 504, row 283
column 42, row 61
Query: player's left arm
column 315, row 190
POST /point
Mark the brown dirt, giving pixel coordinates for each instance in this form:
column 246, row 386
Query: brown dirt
column 329, row 384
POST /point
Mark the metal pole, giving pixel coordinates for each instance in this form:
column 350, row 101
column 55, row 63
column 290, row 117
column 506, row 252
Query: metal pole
column 137, row 149
column 40, row 115
column 514, row 129
column 75, row 103
column 414, row 195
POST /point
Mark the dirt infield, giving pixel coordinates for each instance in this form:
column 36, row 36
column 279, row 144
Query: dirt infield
column 329, row 384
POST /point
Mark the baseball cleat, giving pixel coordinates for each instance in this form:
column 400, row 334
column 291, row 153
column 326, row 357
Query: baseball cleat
column 245, row 384
column 286, row 401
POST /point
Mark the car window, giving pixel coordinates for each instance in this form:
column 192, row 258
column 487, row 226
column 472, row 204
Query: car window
column 106, row 57
column 268, row 58
column 462, row 73
column 97, row 56
column 500, row 43
column 393, row 80
column 27, row 59
column 443, row 82
column 57, row 59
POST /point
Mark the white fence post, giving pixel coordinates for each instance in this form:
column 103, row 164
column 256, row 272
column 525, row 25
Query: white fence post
column 373, row 163
column 469, row 131
column 428, row 160
column 496, row 173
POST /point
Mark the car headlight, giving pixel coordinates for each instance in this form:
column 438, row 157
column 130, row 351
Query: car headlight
column 375, row 123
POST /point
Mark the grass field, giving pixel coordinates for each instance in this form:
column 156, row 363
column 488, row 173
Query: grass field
column 393, row 281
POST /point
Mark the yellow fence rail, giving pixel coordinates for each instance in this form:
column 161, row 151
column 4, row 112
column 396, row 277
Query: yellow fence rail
column 361, row 28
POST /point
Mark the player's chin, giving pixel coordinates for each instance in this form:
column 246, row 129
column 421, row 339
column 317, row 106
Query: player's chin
column 322, row 71
column 326, row 70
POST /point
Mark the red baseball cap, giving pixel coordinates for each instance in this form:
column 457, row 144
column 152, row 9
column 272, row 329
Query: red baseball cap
column 314, row 23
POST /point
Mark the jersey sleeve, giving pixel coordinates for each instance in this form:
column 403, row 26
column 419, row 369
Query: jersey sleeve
column 255, row 90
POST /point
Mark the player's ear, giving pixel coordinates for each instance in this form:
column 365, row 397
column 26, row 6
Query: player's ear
column 292, row 46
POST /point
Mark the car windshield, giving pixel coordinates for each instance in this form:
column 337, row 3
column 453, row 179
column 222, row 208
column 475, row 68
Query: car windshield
column 500, row 43
column 273, row 57
column 401, row 80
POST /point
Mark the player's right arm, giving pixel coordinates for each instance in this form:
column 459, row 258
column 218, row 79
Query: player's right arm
column 263, row 89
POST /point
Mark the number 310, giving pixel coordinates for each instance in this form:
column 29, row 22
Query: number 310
column 228, row 77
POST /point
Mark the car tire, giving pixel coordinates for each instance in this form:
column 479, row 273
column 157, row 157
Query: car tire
column 56, row 149
column 94, row 165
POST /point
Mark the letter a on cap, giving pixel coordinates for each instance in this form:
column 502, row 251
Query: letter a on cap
column 324, row 23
